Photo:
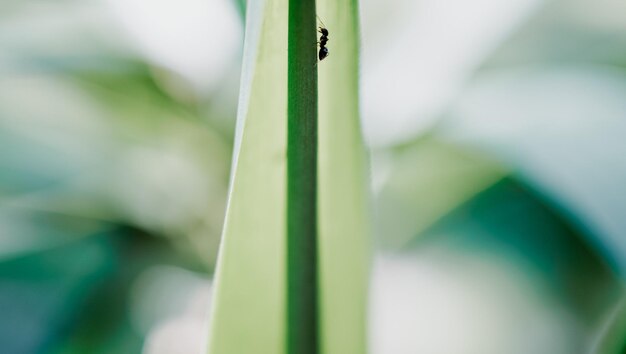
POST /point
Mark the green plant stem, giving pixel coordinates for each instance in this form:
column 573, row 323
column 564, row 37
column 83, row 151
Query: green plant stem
column 302, row 278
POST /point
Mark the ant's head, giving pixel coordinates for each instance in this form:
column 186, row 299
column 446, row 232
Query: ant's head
column 323, row 31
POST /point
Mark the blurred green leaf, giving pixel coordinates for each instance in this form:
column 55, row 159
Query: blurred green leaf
column 104, row 324
column 561, row 130
column 611, row 338
column 91, row 137
column 508, row 219
column 425, row 180
column 42, row 293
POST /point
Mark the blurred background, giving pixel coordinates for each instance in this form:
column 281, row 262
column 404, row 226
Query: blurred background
column 498, row 137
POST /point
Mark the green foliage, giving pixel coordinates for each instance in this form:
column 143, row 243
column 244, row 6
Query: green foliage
column 302, row 182
column 250, row 277
column 344, row 208
column 250, row 298
column 112, row 165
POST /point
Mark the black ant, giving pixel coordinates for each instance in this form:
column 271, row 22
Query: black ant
column 323, row 53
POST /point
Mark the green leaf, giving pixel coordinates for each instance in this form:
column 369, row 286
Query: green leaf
column 249, row 313
column 344, row 229
column 302, row 144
